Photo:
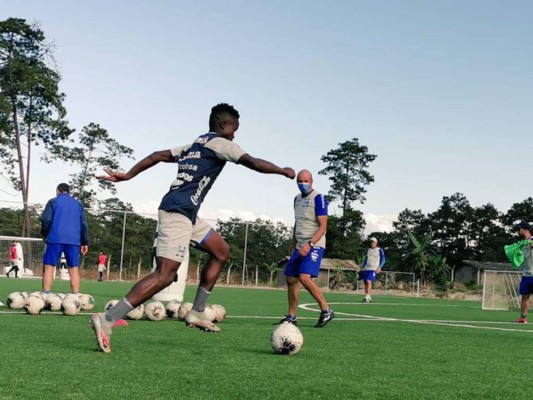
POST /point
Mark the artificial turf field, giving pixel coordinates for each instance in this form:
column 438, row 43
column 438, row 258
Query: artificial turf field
column 395, row 348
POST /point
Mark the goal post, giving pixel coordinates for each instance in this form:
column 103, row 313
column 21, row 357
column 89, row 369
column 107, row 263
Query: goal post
column 501, row 290
column 29, row 251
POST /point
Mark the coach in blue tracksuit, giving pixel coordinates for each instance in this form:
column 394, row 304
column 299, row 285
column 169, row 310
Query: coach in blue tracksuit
column 64, row 227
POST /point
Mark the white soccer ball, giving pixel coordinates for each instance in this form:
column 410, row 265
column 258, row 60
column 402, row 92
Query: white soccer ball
column 286, row 338
column 61, row 295
column 220, row 312
column 25, row 294
column 53, row 302
column 184, row 310
column 42, row 295
column 16, row 301
column 209, row 313
column 71, row 305
column 155, row 311
column 34, row 305
column 87, row 302
column 136, row 313
column 172, row 309
column 110, row 304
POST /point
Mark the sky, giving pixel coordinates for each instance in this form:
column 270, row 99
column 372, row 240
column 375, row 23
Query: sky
column 440, row 91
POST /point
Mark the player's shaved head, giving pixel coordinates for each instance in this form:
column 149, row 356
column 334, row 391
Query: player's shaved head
column 304, row 176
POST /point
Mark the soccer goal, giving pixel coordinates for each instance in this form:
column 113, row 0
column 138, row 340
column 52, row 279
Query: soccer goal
column 500, row 290
column 29, row 251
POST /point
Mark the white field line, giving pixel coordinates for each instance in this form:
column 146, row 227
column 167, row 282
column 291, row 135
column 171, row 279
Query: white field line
column 459, row 324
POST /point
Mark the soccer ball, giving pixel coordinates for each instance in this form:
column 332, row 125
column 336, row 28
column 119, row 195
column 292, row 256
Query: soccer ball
column 286, row 338
column 184, row 310
column 34, row 305
column 155, row 311
column 209, row 313
column 25, row 294
column 110, row 304
column 62, row 296
column 220, row 312
column 53, row 302
column 71, row 305
column 136, row 313
column 16, row 301
column 172, row 309
column 42, row 295
column 87, row 302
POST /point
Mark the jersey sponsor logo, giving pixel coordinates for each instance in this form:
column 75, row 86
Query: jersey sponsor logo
column 202, row 140
column 185, row 176
column 188, row 167
column 203, row 183
column 191, row 155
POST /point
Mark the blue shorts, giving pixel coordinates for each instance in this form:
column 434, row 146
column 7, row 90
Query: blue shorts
column 310, row 264
column 526, row 285
column 367, row 275
column 53, row 251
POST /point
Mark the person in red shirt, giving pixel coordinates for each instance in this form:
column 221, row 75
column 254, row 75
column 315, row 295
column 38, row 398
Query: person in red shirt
column 13, row 259
column 101, row 266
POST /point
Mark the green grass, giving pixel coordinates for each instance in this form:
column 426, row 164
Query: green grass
column 53, row 356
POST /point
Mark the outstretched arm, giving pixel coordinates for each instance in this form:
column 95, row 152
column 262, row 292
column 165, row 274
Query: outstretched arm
column 265, row 167
column 147, row 162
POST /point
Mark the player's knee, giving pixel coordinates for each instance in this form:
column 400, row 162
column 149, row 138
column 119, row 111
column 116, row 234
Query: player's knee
column 292, row 280
column 165, row 278
column 223, row 253
column 306, row 279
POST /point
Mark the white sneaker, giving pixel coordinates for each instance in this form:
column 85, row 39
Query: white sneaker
column 195, row 319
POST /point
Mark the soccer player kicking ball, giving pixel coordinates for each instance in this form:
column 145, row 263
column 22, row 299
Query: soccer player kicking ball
column 308, row 243
column 199, row 165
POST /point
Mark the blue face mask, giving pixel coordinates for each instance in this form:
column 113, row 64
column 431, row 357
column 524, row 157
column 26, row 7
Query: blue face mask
column 304, row 187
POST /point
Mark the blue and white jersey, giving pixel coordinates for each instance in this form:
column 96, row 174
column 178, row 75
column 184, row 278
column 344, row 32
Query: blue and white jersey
column 375, row 259
column 199, row 165
column 306, row 210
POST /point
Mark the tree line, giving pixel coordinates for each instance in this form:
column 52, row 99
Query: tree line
column 32, row 113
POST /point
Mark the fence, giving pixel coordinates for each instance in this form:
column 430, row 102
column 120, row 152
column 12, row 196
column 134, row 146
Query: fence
column 392, row 282
column 127, row 237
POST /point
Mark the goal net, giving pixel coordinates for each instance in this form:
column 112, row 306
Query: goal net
column 500, row 290
column 29, row 251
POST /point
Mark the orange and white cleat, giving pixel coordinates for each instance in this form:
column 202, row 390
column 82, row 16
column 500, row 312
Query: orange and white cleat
column 102, row 337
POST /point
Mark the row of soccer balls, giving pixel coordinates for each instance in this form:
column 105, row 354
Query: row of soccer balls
column 156, row 311
column 34, row 303
column 285, row 338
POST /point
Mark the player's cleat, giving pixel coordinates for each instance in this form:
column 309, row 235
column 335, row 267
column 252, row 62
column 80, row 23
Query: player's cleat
column 120, row 322
column 195, row 319
column 102, row 336
column 366, row 301
column 522, row 320
column 289, row 320
column 325, row 317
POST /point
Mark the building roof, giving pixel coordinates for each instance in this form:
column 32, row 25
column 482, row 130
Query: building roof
column 333, row 264
column 489, row 266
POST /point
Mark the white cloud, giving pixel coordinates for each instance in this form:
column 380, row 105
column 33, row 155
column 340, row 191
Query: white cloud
column 379, row 222
column 148, row 209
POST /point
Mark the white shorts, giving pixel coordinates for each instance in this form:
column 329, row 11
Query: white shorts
column 101, row 267
column 176, row 232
